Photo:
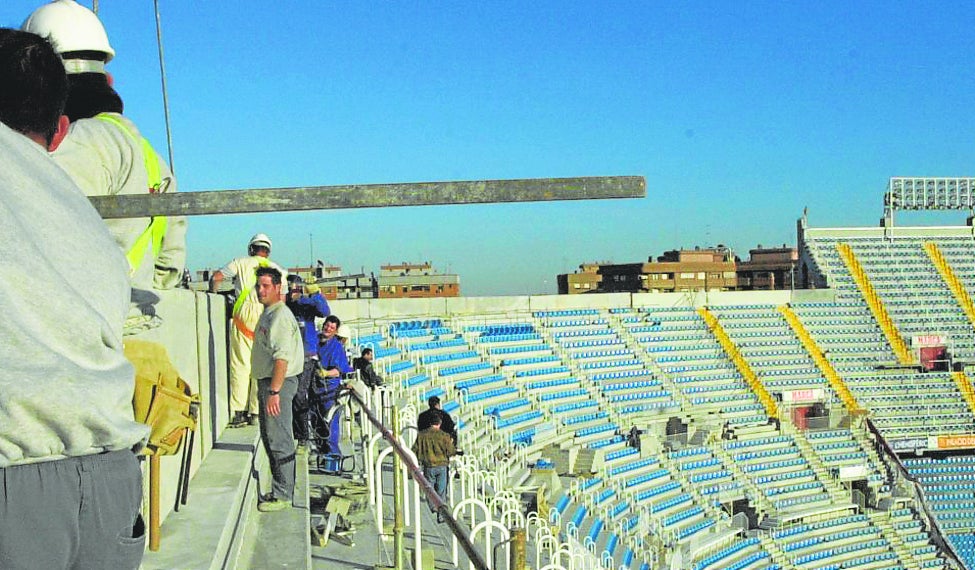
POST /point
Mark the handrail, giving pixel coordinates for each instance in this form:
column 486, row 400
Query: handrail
column 934, row 527
column 433, row 498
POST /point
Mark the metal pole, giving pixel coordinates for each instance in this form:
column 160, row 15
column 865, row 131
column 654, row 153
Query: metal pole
column 398, row 535
column 518, row 557
column 165, row 91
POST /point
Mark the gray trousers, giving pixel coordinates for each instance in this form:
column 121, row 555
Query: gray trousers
column 76, row 513
column 277, row 437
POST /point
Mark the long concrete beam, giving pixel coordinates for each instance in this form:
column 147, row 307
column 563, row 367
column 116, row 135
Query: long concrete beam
column 369, row 196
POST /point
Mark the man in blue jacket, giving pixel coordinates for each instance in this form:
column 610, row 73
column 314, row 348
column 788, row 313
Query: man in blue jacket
column 306, row 308
column 335, row 362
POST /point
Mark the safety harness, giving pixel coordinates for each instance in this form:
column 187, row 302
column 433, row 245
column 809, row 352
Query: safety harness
column 153, row 235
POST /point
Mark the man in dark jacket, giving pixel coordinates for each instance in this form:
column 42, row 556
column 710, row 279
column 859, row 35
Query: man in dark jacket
column 425, row 419
column 366, row 372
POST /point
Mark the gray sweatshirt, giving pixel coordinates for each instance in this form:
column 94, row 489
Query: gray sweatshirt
column 65, row 386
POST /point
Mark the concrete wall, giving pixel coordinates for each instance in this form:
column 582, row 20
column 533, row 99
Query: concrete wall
column 194, row 332
column 367, row 311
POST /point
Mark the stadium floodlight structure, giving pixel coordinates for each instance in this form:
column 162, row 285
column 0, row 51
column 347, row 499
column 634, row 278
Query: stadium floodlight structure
column 927, row 193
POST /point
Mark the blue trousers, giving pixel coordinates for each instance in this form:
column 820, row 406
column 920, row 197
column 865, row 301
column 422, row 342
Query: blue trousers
column 437, row 476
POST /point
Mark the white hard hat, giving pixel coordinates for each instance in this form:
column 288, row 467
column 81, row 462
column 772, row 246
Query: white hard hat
column 345, row 331
column 260, row 239
column 69, row 26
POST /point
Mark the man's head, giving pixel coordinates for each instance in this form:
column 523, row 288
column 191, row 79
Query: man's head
column 434, row 403
column 367, row 354
column 33, row 88
column 330, row 326
column 268, row 285
column 259, row 245
column 436, row 420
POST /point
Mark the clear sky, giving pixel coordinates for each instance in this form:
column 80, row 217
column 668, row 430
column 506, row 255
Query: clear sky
column 739, row 114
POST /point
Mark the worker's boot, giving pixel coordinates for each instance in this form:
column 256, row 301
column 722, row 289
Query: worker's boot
column 239, row 420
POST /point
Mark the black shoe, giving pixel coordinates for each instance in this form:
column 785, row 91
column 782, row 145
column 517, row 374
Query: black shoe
column 252, row 419
column 239, row 420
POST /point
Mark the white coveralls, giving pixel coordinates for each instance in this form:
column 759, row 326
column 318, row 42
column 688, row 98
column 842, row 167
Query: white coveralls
column 106, row 160
column 247, row 311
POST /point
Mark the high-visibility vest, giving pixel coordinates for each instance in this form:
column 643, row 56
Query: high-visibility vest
column 244, row 294
column 153, row 235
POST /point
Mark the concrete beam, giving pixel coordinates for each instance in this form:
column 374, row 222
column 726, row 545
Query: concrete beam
column 369, row 196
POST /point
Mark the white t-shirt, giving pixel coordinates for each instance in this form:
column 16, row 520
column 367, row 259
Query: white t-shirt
column 65, row 385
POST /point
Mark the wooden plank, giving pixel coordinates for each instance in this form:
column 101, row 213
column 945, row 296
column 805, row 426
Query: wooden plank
column 369, row 196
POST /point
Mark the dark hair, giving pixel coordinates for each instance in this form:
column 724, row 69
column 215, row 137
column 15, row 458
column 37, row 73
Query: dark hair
column 366, row 350
column 433, row 401
column 436, row 419
column 33, row 85
column 332, row 319
column 272, row 272
column 90, row 94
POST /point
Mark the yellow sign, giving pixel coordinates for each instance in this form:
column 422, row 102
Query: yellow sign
column 956, row 441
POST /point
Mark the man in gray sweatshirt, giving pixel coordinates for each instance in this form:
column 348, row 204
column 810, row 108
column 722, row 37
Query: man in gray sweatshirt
column 72, row 486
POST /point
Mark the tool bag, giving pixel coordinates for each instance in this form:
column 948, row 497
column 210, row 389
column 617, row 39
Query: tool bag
column 162, row 399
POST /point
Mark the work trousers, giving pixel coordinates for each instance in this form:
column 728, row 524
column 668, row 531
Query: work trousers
column 300, row 405
column 335, row 425
column 277, row 437
column 243, row 388
column 437, row 476
column 76, row 513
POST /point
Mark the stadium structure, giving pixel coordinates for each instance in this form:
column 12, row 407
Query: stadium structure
column 830, row 427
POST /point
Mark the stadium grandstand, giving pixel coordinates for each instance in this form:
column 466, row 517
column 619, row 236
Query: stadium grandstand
column 829, row 427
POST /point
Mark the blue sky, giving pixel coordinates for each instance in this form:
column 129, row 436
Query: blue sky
column 738, row 114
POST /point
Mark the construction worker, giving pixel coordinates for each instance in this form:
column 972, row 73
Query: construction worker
column 306, row 308
column 105, row 154
column 72, row 486
column 247, row 309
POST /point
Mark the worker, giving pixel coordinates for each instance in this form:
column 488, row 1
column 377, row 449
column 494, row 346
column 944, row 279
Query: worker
column 276, row 361
column 105, row 154
column 247, row 309
column 72, row 485
column 306, row 309
column 335, row 363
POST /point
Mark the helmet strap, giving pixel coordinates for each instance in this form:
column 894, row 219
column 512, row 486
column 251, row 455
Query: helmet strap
column 84, row 66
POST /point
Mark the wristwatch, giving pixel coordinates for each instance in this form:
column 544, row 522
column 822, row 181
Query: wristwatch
column 274, row 392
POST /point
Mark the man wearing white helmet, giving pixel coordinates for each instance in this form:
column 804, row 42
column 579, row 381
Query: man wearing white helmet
column 104, row 153
column 247, row 310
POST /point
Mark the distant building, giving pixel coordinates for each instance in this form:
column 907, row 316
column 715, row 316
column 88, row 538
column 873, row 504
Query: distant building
column 586, row 280
column 394, row 281
column 416, row 280
column 699, row 269
column 768, row 269
column 358, row 286
column 319, row 271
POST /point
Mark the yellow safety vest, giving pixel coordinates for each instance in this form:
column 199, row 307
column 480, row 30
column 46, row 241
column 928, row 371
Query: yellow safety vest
column 153, row 235
column 244, row 293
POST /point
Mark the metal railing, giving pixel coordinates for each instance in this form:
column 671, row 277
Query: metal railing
column 437, row 504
